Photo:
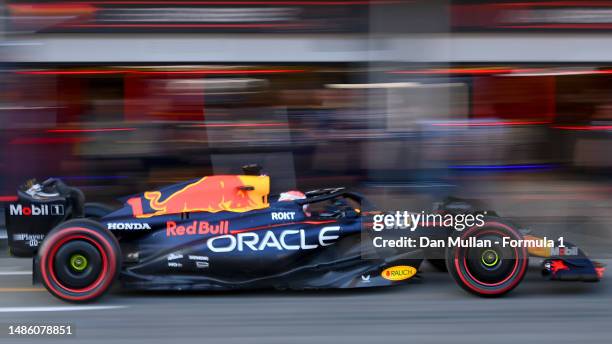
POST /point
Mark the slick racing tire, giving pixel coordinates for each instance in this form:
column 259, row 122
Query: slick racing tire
column 79, row 260
column 488, row 271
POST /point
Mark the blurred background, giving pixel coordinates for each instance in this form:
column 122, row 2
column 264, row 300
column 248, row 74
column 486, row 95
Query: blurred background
column 407, row 101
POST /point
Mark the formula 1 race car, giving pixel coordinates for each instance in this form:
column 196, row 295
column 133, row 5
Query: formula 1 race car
column 226, row 232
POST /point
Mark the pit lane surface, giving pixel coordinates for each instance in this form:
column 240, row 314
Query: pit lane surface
column 432, row 310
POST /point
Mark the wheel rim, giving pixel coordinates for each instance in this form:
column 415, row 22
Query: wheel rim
column 490, row 266
column 489, row 258
column 78, row 262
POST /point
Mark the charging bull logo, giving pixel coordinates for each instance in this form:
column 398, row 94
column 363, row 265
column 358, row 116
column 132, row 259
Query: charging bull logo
column 557, row 265
column 210, row 194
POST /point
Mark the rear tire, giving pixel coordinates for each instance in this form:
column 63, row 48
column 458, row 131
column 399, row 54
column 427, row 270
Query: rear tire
column 79, row 260
column 492, row 271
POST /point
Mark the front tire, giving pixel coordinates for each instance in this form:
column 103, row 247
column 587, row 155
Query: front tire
column 488, row 271
column 79, row 260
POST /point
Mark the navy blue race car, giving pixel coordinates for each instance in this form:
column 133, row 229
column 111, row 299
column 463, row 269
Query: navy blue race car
column 226, row 232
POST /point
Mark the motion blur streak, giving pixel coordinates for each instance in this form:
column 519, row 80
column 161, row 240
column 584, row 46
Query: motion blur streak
column 503, row 167
column 488, row 124
column 194, row 72
column 220, row 125
column 229, row 2
column 48, row 140
column 184, row 25
column 99, row 130
column 586, row 127
column 474, row 71
column 8, row 198
column 69, row 72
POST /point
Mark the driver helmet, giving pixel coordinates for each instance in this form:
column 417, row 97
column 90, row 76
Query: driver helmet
column 293, row 195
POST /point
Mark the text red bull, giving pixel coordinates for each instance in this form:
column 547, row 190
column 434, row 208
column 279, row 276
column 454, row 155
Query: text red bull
column 196, row 228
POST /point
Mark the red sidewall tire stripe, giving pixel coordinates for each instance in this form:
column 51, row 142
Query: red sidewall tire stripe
column 106, row 276
column 57, row 245
column 516, row 264
column 523, row 266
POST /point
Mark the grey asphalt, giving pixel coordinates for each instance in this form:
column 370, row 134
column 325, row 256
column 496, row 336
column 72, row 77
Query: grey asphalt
column 431, row 310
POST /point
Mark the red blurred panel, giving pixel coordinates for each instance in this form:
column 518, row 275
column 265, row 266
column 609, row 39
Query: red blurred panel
column 514, row 98
column 70, row 98
column 134, row 89
column 149, row 96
